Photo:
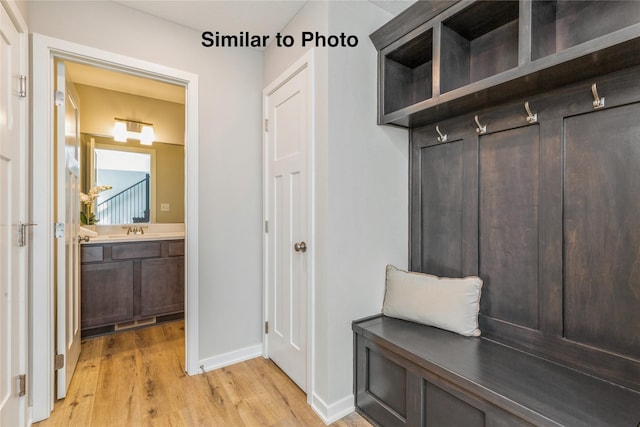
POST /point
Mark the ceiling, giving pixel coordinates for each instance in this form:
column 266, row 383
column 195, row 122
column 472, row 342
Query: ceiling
column 120, row 82
column 262, row 17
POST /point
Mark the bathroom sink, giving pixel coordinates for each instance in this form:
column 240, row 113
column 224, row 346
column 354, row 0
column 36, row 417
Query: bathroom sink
column 132, row 236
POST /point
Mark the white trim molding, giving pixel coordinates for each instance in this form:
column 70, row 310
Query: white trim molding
column 330, row 413
column 44, row 50
column 231, row 358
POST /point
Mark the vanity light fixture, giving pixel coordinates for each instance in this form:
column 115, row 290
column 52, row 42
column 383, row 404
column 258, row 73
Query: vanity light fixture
column 124, row 129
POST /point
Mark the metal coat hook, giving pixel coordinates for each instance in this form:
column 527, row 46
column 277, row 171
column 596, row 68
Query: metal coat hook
column 480, row 129
column 441, row 138
column 597, row 101
column 531, row 118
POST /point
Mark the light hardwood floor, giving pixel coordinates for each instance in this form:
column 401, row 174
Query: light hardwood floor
column 137, row 378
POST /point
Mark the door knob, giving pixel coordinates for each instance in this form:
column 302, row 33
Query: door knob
column 83, row 239
column 300, row 247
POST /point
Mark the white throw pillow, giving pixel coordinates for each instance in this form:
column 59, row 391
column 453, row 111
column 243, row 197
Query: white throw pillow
column 446, row 303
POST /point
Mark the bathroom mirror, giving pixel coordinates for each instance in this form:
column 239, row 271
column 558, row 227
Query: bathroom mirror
column 147, row 182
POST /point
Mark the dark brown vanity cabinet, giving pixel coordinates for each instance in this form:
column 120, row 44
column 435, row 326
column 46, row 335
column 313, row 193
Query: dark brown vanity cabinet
column 130, row 281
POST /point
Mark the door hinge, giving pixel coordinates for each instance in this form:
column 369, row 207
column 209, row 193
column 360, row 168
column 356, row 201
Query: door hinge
column 59, row 361
column 22, row 89
column 22, row 234
column 266, row 226
column 59, row 230
column 59, row 98
column 266, row 327
column 22, row 385
column 266, row 125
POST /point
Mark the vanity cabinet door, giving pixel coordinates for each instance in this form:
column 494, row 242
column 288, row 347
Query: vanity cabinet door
column 161, row 286
column 107, row 293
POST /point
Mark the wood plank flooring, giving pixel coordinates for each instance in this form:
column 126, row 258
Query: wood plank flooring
column 137, row 378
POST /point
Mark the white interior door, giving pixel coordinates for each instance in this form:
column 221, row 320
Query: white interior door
column 13, row 189
column 288, row 246
column 67, row 213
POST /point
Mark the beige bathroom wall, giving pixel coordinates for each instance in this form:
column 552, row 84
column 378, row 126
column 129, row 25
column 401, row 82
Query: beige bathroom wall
column 170, row 182
column 101, row 106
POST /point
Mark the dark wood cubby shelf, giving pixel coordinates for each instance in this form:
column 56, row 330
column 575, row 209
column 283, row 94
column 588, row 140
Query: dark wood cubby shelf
column 467, row 56
column 559, row 25
column 408, row 72
column 478, row 42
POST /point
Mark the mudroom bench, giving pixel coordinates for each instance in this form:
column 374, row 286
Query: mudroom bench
column 407, row 374
column 524, row 171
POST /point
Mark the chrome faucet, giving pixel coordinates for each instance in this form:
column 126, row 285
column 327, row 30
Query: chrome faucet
column 134, row 229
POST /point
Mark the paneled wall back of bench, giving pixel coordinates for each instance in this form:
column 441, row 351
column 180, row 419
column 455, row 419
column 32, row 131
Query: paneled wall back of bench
column 548, row 215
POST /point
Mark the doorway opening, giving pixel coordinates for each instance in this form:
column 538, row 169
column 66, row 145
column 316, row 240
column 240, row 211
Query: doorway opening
column 47, row 53
column 117, row 189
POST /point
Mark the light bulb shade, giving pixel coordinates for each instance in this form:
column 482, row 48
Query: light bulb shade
column 125, row 129
column 120, row 132
column 147, row 135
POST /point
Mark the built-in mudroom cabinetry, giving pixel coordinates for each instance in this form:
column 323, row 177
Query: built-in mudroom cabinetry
column 524, row 124
column 129, row 284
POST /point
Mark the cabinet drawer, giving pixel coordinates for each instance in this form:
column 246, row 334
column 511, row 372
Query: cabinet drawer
column 91, row 253
column 176, row 248
column 136, row 250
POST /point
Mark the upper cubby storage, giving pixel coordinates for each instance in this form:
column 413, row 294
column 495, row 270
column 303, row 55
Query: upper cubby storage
column 445, row 58
column 560, row 25
column 408, row 72
column 478, row 42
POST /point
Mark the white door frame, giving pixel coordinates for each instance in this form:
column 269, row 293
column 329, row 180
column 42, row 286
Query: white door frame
column 44, row 50
column 306, row 61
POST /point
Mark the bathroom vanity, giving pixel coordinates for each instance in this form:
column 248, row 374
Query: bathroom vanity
column 128, row 283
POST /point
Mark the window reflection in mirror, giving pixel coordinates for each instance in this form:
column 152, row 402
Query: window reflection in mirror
column 124, row 167
column 128, row 174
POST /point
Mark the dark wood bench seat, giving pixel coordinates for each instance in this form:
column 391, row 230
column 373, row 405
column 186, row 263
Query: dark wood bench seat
column 411, row 374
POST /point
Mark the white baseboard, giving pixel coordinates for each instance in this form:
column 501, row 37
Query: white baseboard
column 230, row 358
column 333, row 412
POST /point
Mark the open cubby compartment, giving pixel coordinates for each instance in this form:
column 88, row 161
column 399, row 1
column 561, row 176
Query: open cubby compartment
column 478, row 42
column 561, row 24
column 408, row 72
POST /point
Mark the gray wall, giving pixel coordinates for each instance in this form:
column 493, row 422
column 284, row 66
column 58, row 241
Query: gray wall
column 361, row 189
column 361, row 172
column 230, row 153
